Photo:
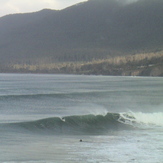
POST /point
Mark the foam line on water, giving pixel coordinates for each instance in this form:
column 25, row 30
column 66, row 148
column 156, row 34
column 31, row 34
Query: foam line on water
column 142, row 118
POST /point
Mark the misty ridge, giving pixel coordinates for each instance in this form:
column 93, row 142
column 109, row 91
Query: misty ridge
column 82, row 33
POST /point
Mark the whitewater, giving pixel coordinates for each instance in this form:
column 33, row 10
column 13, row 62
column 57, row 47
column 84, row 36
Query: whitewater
column 46, row 118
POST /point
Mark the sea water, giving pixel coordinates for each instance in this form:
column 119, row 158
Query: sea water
column 79, row 119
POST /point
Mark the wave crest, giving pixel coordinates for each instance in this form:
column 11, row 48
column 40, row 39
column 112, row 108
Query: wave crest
column 140, row 119
column 92, row 124
column 82, row 124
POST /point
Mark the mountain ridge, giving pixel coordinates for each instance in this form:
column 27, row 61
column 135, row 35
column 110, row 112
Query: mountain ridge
column 96, row 29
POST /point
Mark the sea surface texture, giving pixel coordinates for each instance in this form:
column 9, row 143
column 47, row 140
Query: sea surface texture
column 80, row 119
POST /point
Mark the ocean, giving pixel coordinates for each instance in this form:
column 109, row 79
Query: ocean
column 47, row 118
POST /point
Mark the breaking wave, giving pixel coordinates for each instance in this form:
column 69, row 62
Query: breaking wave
column 92, row 124
column 140, row 119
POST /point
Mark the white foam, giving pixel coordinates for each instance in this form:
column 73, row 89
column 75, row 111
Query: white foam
column 143, row 118
column 62, row 119
column 98, row 110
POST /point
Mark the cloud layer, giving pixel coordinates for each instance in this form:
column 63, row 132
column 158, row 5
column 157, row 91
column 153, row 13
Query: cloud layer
column 22, row 6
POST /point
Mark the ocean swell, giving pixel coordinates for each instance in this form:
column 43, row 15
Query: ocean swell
column 77, row 124
column 91, row 124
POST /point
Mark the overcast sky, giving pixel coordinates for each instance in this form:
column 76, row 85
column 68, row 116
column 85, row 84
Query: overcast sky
column 23, row 6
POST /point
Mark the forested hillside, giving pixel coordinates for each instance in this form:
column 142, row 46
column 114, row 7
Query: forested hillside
column 146, row 64
column 92, row 30
column 89, row 30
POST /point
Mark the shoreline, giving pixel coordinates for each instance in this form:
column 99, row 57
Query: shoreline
column 147, row 64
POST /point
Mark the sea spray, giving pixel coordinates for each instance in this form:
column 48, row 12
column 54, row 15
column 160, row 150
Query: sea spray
column 140, row 118
column 92, row 124
column 74, row 124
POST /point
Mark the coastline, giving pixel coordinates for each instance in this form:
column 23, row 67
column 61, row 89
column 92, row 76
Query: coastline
column 147, row 64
